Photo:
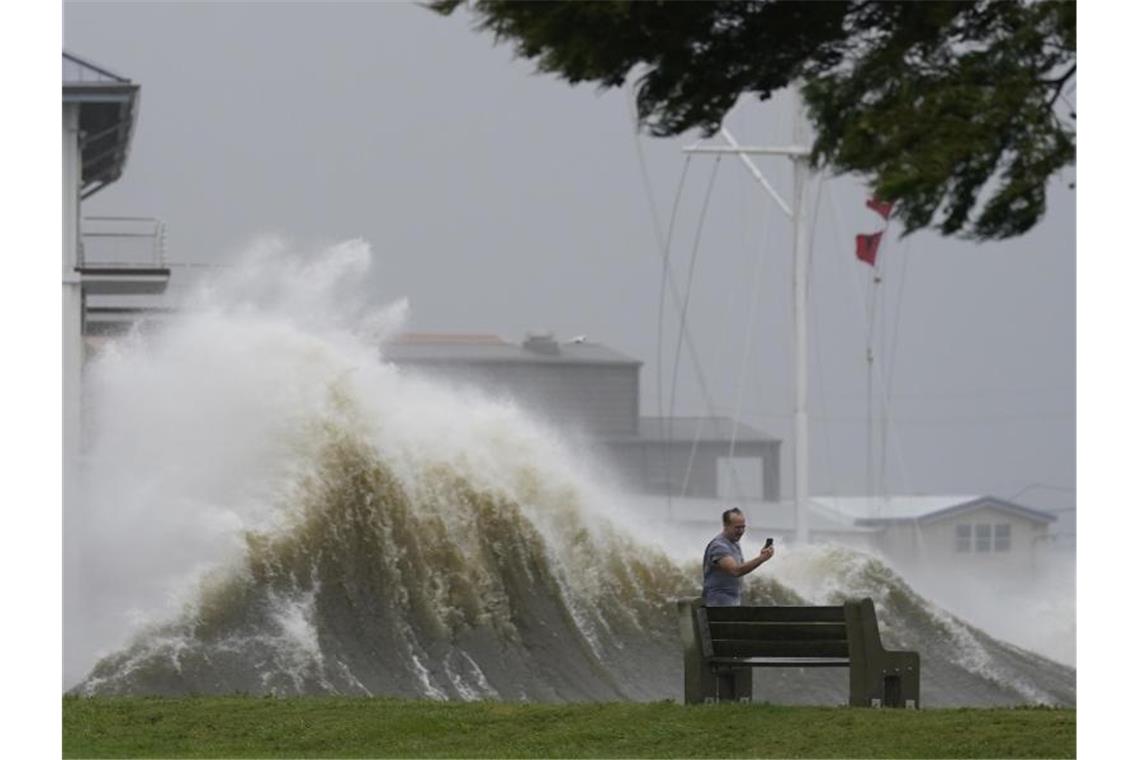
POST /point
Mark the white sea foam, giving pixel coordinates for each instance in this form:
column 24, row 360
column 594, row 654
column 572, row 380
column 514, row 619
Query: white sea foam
column 429, row 689
column 467, row 678
column 294, row 639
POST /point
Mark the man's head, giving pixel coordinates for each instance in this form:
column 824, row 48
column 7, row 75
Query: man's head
column 734, row 524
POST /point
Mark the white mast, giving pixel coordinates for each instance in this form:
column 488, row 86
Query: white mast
column 799, row 288
column 799, row 153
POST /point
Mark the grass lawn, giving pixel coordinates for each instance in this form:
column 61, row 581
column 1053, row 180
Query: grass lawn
column 354, row 727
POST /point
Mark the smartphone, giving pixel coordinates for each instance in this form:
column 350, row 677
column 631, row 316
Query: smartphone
column 769, row 542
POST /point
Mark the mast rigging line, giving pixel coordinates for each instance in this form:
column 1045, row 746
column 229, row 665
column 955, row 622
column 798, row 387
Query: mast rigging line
column 748, row 345
column 683, row 324
column 904, row 255
column 738, row 491
column 666, row 275
column 890, row 378
column 813, row 306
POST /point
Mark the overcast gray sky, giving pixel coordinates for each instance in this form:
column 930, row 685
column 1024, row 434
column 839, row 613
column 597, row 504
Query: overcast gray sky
column 498, row 200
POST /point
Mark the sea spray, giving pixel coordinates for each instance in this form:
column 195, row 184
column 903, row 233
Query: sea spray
column 830, row 573
column 286, row 513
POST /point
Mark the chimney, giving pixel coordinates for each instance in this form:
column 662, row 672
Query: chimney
column 541, row 343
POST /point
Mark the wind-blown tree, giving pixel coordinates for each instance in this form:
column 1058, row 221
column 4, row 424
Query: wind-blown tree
column 949, row 109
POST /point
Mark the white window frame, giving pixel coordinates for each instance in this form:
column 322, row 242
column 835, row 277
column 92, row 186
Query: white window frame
column 983, row 538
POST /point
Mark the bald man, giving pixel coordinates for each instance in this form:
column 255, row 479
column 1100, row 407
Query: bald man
column 724, row 564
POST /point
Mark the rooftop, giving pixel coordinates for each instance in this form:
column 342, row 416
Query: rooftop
column 77, row 71
column 108, row 107
column 863, row 510
column 687, row 429
column 477, row 348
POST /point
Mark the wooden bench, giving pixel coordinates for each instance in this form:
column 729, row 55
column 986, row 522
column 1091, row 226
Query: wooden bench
column 723, row 644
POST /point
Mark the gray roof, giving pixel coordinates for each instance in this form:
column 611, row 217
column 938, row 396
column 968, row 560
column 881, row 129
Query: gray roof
column 108, row 107
column 490, row 349
column 77, row 71
column 688, row 429
column 924, row 509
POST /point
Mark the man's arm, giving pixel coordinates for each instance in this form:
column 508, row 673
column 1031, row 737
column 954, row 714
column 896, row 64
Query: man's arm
column 729, row 565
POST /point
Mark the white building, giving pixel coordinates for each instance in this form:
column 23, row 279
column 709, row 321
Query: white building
column 99, row 113
column 993, row 536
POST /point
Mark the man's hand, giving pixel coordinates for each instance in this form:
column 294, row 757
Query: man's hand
column 766, row 554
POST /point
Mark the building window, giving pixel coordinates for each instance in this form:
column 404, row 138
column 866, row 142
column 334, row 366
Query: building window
column 962, row 542
column 1001, row 538
column 983, row 534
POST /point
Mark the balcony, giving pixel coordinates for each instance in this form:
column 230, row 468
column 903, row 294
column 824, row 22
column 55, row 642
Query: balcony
column 123, row 255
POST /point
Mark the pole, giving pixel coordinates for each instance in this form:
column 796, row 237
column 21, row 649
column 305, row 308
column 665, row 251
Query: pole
column 72, row 304
column 799, row 299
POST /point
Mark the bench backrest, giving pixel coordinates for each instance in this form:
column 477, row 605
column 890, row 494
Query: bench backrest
column 773, row 631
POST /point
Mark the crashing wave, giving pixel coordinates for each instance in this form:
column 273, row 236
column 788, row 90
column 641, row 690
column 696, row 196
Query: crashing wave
column 367, row 532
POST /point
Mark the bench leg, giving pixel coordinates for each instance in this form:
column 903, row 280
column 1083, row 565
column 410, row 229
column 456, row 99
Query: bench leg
column 704, row 685
column 734, row 685
column 700, row 682
column 891, row 681
column 859, row 695
column 908, row 664
column 900, row 678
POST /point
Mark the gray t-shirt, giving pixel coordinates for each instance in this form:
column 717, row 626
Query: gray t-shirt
column 720, row 588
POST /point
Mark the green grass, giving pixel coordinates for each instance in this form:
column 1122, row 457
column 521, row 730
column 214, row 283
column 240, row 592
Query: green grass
column 242, row 727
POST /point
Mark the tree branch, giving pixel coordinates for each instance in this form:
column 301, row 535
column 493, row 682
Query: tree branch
column 1059, row 83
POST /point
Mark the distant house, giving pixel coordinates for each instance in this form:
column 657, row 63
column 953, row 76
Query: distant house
column 992, row 535
column 592, row 391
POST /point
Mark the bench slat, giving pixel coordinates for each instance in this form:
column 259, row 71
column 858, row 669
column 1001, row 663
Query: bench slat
column 797, row 614
column 737, row 648
column 783, row 662
column 779, row 631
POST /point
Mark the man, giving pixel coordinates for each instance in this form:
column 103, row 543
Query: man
column 724, row 563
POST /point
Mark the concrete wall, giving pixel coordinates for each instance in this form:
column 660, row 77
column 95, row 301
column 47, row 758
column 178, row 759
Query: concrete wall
column 658, row 467
column 598, row 399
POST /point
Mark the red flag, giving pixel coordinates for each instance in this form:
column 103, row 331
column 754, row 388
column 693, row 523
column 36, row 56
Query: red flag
column 867, row 246
column 882, row 208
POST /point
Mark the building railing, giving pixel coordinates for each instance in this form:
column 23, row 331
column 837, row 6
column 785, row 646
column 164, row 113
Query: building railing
column 122, row 242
